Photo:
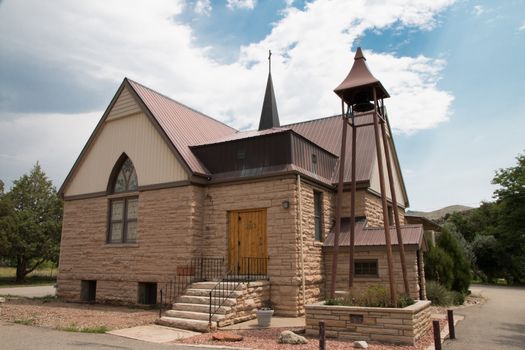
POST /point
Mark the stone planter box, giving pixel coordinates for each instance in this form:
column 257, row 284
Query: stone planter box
column 390, row 325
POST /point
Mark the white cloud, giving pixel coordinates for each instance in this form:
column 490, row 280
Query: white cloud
column 522, row 27
column 479, row 10
column 203, row 7
column 103, row 40
column 242, row 4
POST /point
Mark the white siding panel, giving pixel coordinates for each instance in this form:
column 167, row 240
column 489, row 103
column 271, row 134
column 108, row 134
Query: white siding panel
column 137, row 137
column 125, row 105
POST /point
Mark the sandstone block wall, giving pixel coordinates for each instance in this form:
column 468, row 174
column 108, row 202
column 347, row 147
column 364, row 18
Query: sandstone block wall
column 379, row 254
column 369, row 205
column 283, row 268
column 390, row 325
column 253, row 297
column 169, row 234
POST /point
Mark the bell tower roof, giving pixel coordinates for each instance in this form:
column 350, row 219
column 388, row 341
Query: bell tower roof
column 359, row 81
column 269, row 114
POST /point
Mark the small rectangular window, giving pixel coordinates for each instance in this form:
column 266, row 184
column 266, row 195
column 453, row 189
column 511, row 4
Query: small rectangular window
column 318, row 215
column 365, row 268
column 88, row 291
column 147, row 293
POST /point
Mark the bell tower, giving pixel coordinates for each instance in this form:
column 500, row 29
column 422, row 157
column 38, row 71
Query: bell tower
column 362, row 104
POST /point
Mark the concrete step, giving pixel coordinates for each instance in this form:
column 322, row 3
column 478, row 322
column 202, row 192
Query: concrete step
column 185, row 323
column 206, row 292
column 203, row 316
column 191, row 299
column 199, row 308
column 203, row 285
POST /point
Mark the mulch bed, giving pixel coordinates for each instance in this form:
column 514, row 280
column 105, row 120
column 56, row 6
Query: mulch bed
column 266, row 339
column 60, row 315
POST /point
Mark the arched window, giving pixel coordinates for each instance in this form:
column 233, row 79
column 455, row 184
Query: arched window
column 124, row 207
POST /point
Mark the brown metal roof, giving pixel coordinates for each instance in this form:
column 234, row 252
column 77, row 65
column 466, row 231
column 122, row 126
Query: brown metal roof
column 183, row 125
column 374, row 236
column 327, row 133
column 358, row 80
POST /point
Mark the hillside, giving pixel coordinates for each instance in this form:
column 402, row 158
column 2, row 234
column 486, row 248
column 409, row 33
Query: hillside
column 439, row 213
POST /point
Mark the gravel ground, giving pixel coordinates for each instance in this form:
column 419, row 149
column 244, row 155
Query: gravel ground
column 266, row 339
column 57, row 314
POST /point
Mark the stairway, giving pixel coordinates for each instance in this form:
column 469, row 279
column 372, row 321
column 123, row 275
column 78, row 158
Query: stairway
column 191, row 310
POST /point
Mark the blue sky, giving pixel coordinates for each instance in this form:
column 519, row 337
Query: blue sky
column 454, row 70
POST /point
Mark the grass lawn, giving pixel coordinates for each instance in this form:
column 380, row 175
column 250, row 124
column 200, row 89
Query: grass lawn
column 41, row 276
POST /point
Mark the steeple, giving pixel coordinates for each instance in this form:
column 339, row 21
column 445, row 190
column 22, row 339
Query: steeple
column 357, row 86
column 269, row 114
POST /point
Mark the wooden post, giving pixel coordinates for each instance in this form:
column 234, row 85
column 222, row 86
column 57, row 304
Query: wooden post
column 322, row 336
column 338, row 201
column 352, row 206
column 161, row 302
column 394, row 207
column 451, row 329
column 386, row 224
column 437, row 335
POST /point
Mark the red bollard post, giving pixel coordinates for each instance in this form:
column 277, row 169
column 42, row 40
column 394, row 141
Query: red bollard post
column 437, row 335
column 451, row 329
column 322, row 337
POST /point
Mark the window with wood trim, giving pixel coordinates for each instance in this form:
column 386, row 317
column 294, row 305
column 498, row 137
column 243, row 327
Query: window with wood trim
column 123, row 208
column 365, row 268
column 318, row 215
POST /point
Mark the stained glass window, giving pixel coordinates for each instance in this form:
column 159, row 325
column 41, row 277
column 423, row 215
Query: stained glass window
column 126, row 179
column 124, row 210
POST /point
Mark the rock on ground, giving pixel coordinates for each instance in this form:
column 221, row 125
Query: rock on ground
column 361, row 344
column 226, row 336
column 289, row 337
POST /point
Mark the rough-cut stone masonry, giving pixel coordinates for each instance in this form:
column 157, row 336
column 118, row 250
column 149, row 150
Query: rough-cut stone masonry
column 369, row 205
column 169, row 233
column 379, row 254
column 313, row 255
column 390, row 325
column 253, row 297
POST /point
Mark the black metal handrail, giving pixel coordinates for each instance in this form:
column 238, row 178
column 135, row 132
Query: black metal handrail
column 247, row 269
column 198, row 269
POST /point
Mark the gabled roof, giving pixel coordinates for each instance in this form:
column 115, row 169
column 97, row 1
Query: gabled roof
column 183, row 125
column 375, row 236
column 179, row 125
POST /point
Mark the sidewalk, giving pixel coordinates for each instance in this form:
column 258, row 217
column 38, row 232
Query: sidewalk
column 29, row 292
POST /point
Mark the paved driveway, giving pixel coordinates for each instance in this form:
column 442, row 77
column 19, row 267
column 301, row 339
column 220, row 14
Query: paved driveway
column 497, row 324
column 29, row 292
column 13, row 336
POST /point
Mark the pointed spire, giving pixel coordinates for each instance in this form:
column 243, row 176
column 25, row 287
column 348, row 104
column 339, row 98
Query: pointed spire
column 359, row 81
column 269, row 115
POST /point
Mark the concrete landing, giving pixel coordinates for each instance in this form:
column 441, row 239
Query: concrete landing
column 153, row 333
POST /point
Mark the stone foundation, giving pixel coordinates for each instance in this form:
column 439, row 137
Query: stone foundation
column 389, row 325
column 254, row 295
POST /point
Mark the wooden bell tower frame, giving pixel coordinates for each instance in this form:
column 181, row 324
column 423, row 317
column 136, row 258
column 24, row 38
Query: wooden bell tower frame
column 356, row 91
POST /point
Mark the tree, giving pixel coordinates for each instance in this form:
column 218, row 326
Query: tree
column 510, row 231
column 30, row 222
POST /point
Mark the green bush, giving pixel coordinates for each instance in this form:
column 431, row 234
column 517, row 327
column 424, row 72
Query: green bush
column 404, row 300
column 461, row 265
column 439, row 266
column 459, row 298
column 374, row 296
column 438, row 294
column 334, row 301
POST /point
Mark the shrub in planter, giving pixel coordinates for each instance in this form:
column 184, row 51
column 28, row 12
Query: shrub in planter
column 374, row 296
column 404, row 300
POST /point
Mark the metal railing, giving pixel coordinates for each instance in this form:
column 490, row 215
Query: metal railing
column 247, row 269
column 198, row 269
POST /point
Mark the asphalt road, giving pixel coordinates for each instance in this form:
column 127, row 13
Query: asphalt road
column 497, row 324
column 19, row 337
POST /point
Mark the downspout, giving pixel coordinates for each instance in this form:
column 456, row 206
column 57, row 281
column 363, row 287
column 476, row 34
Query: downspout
column 300, row 216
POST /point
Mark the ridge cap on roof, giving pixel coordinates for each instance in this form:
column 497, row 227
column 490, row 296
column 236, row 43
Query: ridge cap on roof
column 312, row 120
column 180, row 103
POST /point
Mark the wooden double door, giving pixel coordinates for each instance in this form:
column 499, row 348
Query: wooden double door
column 247, row 242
